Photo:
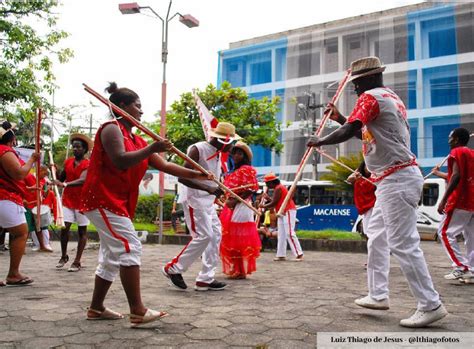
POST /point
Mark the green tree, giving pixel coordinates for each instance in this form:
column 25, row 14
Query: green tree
column 338, row 174
column 27, row 56
column 254, row 120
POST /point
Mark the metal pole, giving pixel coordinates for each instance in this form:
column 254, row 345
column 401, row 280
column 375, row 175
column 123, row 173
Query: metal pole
column 164, row 59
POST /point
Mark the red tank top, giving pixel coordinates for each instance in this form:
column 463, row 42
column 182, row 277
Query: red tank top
column 463, row 196
column 72, row 195
column 107, row 186
column 364, row 195
column 291, row 204
column 11, row 189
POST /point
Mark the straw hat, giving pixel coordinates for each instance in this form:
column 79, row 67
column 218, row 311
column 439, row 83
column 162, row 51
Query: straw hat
column 366, row 66
column 226, row 131
column 3, row 131
column 83, row 138
column 245, row 148
column 270, row 177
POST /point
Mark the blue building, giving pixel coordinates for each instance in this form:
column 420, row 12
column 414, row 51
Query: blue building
column 429, row 53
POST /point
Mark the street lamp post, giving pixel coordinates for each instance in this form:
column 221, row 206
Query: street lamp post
column 190, row 22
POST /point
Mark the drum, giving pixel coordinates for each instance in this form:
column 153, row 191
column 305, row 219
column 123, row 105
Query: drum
column 45, row 215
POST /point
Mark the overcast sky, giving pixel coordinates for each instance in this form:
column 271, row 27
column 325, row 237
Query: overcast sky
column 110, row 46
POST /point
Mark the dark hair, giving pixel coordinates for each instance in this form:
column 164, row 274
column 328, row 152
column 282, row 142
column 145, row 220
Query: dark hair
column 462, row 135
column 121, row 95
column 245, row 161
column 9, row 136
column 85, row 145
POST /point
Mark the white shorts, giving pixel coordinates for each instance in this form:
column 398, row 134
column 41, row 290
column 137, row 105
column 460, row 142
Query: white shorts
column 11, row 214
column 74, row 216
column 119, row 243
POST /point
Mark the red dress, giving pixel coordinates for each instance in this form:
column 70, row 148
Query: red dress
column 240, row 245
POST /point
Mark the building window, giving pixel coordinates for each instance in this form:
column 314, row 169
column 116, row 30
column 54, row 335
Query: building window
column 414, row 140
column 444, row 91
column 442, row 42
column 440, row 135
column 234, row 71
column 260, row 73
column 354, row 45
column 332, row 47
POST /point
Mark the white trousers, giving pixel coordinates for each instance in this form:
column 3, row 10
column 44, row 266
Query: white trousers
column 119, row 243
column 286, row 233
column 453, row 224
column 205, row 228
column 392, row 228
column 45, row 233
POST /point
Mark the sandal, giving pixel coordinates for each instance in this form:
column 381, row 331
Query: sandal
column 75, row 267
column 150, row 316
column 62, row 262
column 107, row 314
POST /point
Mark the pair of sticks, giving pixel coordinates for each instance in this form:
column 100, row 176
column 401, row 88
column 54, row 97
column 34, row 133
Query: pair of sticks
column 173, row 149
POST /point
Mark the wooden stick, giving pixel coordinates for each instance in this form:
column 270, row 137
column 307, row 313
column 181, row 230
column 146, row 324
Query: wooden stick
column 155, row 137
column 59, row 203
column 309, row 150
column 261, row 210
column 242, row 187
column 38, row 168
column 323, row 153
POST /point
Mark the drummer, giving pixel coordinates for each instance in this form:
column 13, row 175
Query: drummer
column 41, row 237
column 71, row 179
column 12, row 190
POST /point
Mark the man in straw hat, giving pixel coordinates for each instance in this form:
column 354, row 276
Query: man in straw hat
column 287, row 222
column 201, row 218
column 379, row 118
column 71, row 179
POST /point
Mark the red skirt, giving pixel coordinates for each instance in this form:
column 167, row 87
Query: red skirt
column 240, row 246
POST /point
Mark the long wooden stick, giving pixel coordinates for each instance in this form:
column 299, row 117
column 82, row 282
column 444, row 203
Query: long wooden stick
column 59, row 203
column 309, row 150
column 38, row 169
column 323, row 153
column 261, row 210
column 155, row 137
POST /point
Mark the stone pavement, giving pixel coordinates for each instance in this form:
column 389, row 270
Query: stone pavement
column 283, row 305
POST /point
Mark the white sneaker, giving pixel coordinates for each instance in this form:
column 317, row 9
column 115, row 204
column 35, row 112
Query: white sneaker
column 424, row 318
column 458, row 274
column 35, row 249
column 369, row 302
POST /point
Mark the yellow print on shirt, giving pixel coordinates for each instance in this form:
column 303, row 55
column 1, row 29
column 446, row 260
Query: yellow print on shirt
column 368, row 141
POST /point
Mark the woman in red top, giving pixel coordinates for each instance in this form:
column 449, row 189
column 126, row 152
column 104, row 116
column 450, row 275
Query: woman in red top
column 12, row 190
column 109, row 196
column 72, row 179
column 240, row 245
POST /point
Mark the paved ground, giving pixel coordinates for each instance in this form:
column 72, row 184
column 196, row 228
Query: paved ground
column 283, row 305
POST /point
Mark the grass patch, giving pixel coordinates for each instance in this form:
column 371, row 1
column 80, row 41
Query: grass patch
column 149, row 227
column 330, row 234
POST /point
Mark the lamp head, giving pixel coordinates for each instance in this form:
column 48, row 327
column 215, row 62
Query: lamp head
column 129, row 8
column 189, row 21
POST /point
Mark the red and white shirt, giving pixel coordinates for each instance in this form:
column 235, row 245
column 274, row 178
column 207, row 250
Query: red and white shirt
column 109, row 187
column 463, row 195
column 385, row 132
column 11, row 189
column 290, row 205
column 72, row 195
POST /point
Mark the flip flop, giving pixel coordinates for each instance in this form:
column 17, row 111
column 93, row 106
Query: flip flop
column 107, row 314
column 150, row 316
column 26, row 281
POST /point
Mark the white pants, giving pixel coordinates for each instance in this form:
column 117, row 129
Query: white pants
column 205, row 228
column 74, row 216
column 45, row 233
column 453, row 224
column 11, row 214
column 392, row 228
column 286, row 233
column 119, row 243
column 365, row 221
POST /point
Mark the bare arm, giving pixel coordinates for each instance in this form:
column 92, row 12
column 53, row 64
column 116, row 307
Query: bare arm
column 342, row 134
column 452, row 184
column 276, row 197
column 112, row 140
column 339, row 118
column 438, row 173
column 160, row 164
column 12, row 166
